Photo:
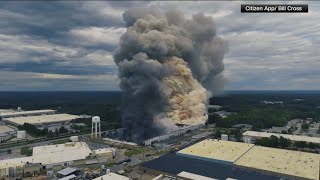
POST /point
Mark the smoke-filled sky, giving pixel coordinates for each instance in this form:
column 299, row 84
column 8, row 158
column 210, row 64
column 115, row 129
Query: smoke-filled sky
column 70, row 45
column 168, row 66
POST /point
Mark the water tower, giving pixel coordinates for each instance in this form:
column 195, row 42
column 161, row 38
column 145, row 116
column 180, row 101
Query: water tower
column 96, row 127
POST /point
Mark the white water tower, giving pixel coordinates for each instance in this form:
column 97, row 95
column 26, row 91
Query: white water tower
column 96, row 127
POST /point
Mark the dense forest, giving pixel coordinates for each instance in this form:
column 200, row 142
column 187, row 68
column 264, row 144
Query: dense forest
column 248, row 108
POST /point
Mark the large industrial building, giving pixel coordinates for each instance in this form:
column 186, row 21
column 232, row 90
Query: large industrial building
column 61, row 154
column 220, row 159
column 251, row 136
column 73, row 153
column 6, row 110
column 216, row 151
column 174, row 164
column 12, row 167
column 294, row 164
column 6, row 132
column 44, row 119
column 11, row 114
column 188, row 175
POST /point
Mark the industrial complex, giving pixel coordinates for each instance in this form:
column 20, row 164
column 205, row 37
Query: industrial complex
column 19, row 113
column 51, row 157
column 226, row 159
column 50, row 119
column 190, row 152
column 294, row 164
column 63, row 154
column 43, row 119
column 216, row 150
column 6, row 132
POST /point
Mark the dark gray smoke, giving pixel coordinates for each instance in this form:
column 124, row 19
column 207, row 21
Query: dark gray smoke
column 164, row 61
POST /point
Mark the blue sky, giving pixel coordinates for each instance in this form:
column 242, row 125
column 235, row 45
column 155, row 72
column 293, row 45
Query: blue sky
column 69, row 45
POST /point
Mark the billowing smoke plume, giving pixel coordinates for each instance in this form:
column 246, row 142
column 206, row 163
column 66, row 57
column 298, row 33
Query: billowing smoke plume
column 168, row 67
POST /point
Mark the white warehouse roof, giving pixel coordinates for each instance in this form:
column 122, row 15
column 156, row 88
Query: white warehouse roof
column 44, row 119
column 14, row 162
column 212, row 149
column 58, row 153
column 6, row 110
column 188, row 175
column 293, row 163
column 51, row 154
column 288, row 136
column 112, row 176
column 23, row 113
column 6, row 129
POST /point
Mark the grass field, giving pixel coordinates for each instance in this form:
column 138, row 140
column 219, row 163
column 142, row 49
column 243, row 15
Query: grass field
column 136, row 151
column 27, row 151
column 60, row 141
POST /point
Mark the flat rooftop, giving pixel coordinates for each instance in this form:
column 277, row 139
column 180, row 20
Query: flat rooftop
column 103, row 150
column 5, row 129
column 212, row 149
column 51, row 154
column 67, row 171
column 14, row 162
column 17, row 113
column 194, row 176
column 174, row 164
column 43, row 119
column 112, row 176
column 292, row 163
column 6, row 110
column 60, row 152
column 288, row 136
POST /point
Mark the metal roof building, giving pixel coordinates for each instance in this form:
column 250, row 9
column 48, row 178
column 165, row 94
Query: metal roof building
column 226, row 159
column 292, row 163
column 6, row 132
column 72, row 176
column 112, row 176
column 174, row 164
column 59, row 153
column 194, row 176
column 26, row 113
column 8, row 164
column 44, row 119
column 216, row 150
column 257, row 134
column 51, row 154
column 67, row 171
column 6, row 110
column 6, row 129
